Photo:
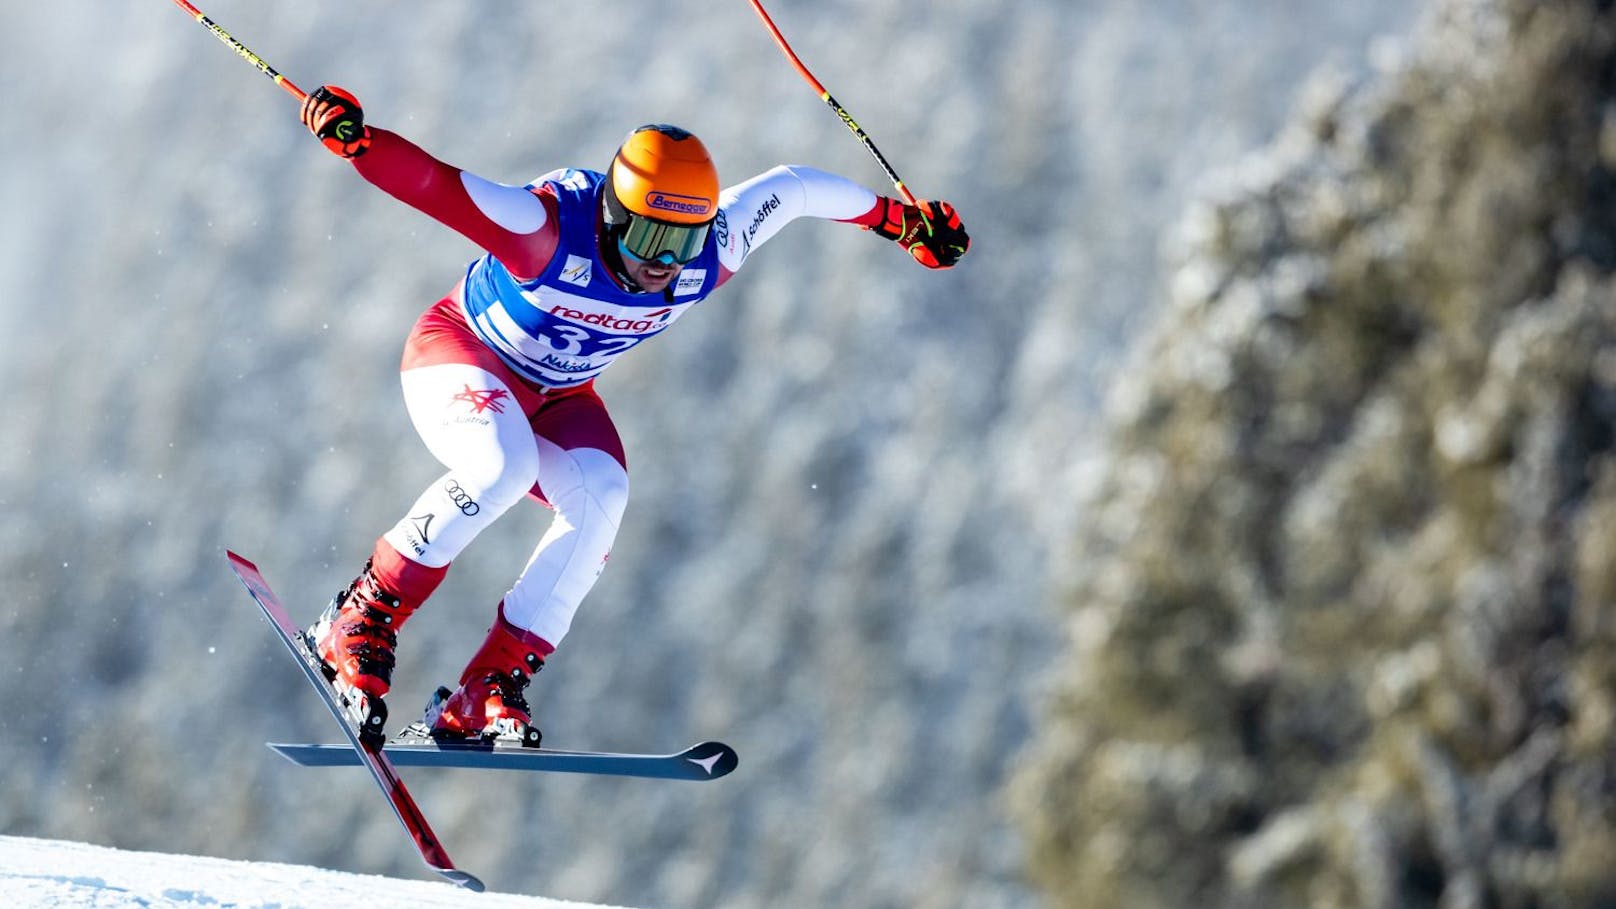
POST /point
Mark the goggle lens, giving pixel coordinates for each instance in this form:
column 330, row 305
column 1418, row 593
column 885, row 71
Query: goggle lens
column 658, row 241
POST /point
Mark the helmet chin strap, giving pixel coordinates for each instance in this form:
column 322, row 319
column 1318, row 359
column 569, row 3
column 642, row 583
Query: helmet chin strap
column 614, row 261
column 606, row 241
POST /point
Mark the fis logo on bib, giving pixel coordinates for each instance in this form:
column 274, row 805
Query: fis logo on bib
column 576, row 271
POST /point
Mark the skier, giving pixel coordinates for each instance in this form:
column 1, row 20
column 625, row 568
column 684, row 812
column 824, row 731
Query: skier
column 498, row 376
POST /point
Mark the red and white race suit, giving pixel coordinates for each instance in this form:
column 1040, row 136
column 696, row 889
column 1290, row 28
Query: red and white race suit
column 498, row 376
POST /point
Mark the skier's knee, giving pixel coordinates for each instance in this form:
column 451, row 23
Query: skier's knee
column 606, row 485
column 573, row 480
column 602, row 486
column 500, row 482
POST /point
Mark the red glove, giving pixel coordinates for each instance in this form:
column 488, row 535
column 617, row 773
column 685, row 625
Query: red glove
column 335, row 116
column 930, row 231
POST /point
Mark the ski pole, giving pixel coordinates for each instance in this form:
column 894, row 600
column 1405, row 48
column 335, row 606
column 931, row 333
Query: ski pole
column 241, row 49
column 824, row 95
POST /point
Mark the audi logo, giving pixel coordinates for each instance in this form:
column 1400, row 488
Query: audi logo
column 462, row 499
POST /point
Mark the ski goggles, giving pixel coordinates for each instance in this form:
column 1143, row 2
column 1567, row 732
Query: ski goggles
column 649, row 240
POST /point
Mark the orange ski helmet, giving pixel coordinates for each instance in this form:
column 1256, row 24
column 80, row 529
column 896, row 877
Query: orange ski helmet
column 661, row 195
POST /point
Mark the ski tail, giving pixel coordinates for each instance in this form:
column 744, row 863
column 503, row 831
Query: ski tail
column 381, row 769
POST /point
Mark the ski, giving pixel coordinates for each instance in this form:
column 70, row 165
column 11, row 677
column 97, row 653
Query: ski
column 707, row 761
column 381, row 768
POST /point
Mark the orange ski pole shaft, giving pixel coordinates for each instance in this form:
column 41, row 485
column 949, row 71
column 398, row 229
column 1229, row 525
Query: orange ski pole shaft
column 841, row 112
column 241, row 49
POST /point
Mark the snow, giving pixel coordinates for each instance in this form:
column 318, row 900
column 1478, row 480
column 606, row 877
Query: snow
column 55, row 874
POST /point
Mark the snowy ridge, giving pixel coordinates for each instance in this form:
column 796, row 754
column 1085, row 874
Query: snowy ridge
column 56, row 874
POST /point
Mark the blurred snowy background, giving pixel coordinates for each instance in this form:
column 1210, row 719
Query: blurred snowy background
column 855, row 481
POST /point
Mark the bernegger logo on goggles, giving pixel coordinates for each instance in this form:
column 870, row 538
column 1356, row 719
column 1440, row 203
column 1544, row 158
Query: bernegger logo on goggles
column 688, row 205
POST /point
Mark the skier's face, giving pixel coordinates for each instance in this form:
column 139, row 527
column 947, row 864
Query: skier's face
column 653, row 277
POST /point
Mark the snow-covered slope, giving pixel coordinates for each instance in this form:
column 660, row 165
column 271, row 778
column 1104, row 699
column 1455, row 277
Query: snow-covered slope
column 55, row 874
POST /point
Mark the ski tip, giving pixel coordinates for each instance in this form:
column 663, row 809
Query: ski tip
column 317, row 755
column 236, row 559
column 716, row 758
column 461, row 878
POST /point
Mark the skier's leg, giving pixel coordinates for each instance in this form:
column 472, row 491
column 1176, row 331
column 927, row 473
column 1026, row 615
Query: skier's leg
column 588, row 489
column 465, row 416
column 471, row 422
column 471, row 413
column 582, row 478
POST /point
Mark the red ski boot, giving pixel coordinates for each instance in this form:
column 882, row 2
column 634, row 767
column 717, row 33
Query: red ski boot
column 489, row 704
column 355, row 637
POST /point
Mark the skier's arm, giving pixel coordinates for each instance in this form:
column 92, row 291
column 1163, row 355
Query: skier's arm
column 516, row 225
column 511, row 222
column 752, row 212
